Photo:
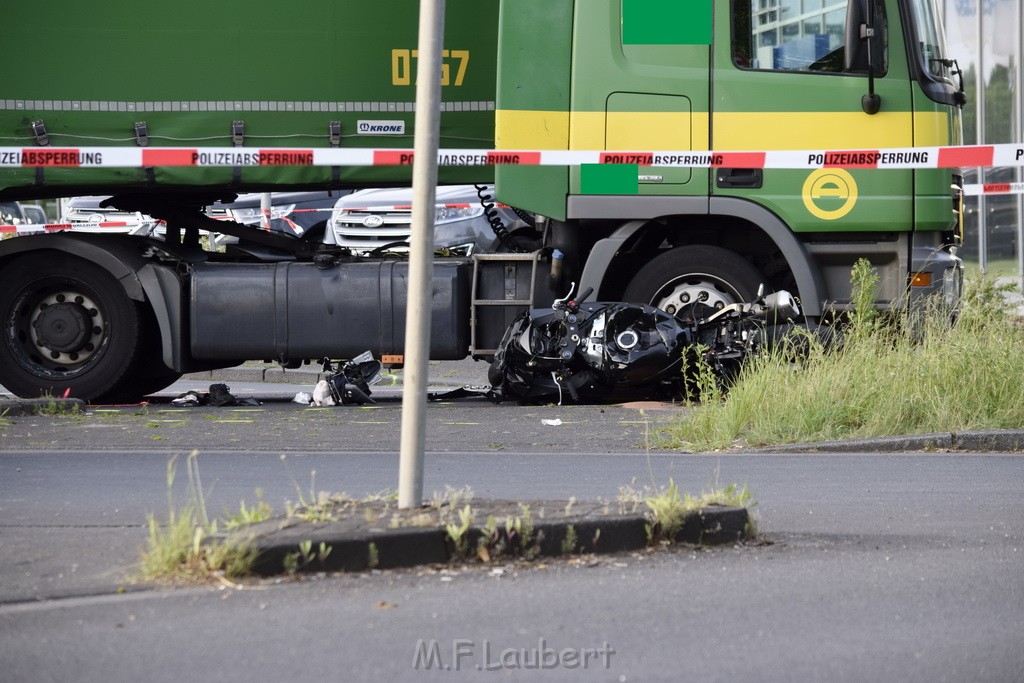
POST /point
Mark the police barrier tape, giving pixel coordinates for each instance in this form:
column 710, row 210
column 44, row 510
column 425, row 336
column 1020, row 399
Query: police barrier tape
column 60, row 227
column 138, row 157
column 994, row 188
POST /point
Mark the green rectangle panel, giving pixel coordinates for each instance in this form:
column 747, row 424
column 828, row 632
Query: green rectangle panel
column 609, row 178
column 666, row 22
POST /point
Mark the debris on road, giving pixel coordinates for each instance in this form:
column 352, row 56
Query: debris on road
column 219, row 395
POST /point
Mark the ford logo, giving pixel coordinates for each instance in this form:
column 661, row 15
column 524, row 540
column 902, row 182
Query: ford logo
column 373, row 221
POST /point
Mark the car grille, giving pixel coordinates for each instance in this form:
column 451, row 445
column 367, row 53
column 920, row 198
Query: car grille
column 351, row 231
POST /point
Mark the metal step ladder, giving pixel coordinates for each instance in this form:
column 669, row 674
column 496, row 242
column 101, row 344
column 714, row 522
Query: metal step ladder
column 513, row 288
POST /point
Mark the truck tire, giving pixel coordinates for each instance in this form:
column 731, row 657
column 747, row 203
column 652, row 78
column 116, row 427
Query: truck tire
column 149, row 375
column 694, row 281
column 68, row 328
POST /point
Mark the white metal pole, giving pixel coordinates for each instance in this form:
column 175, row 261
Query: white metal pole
column 421, row 251
column 1018, row 134
column 979, row 139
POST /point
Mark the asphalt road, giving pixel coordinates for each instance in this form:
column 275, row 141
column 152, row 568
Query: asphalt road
column 869, row 567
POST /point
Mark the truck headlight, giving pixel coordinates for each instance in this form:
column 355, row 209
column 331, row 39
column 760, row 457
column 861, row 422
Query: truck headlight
column 952, row 286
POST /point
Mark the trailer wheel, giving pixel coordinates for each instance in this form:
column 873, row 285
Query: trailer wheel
column 68, row 328
column 694, row 281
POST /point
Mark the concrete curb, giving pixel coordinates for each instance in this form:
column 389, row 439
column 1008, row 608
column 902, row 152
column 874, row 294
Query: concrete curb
column 409, row 547
column 996, row 440
column 34, row 406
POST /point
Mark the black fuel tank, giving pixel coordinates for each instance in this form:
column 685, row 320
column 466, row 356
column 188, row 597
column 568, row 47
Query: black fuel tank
column 295, row 310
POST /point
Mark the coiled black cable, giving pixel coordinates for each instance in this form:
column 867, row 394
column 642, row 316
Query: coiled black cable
column 497, row 225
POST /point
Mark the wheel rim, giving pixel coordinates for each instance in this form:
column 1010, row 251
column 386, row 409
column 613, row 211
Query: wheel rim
column 683, row 295
column 57, row 331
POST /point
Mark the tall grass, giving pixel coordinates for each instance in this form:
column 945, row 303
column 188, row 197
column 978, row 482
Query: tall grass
column 883, row 378
column 185, row 548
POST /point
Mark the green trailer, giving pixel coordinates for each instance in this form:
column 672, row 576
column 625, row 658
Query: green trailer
column 257, row 88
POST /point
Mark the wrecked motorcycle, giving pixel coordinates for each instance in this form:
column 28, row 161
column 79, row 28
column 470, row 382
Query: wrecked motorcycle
column 604, row 351
column 349, row 384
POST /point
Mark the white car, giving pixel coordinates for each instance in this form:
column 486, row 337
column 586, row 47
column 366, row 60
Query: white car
column 84, row 214
column 465, row 217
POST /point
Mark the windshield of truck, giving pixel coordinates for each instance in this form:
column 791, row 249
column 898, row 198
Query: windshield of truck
column 931, row 41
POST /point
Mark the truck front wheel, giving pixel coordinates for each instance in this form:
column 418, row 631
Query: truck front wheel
column 694, row 281
column 68, row 328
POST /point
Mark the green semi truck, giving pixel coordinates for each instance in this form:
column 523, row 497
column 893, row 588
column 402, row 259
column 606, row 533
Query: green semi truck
column 113, row 317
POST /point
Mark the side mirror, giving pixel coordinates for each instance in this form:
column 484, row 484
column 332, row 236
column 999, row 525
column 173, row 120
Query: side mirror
column 860, row 37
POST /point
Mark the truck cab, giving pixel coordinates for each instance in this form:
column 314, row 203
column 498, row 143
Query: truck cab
column 739, row 76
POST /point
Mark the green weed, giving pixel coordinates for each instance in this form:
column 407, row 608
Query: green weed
column 887, row 376
column 54, row 408
column 459, row 532
column 570, row 541
column 184, row 548
column 669, row 509
column 319, row 507
column 247, row 515
column 301, row 559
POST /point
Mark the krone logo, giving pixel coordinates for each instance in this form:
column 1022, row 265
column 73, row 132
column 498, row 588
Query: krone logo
column 830, row 193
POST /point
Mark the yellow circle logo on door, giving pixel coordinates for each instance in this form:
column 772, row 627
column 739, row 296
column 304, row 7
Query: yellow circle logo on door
column 830, row 193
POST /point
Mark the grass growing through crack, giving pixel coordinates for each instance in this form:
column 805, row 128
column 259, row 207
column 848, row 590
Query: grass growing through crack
column 54, row 408
column 247, row 515
column 926, row 376
column 669, row 510
column 319, row 506
column 184, row 548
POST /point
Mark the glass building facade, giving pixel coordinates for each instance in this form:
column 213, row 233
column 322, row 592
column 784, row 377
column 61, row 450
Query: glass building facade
column 985, row 37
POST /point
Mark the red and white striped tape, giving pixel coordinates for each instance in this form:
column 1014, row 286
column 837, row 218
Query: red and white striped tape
column 994, row 188
column 60, row 227
column 138, row 157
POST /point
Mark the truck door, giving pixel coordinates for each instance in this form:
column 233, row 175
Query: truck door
column 640, row 83
column 782, row 81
